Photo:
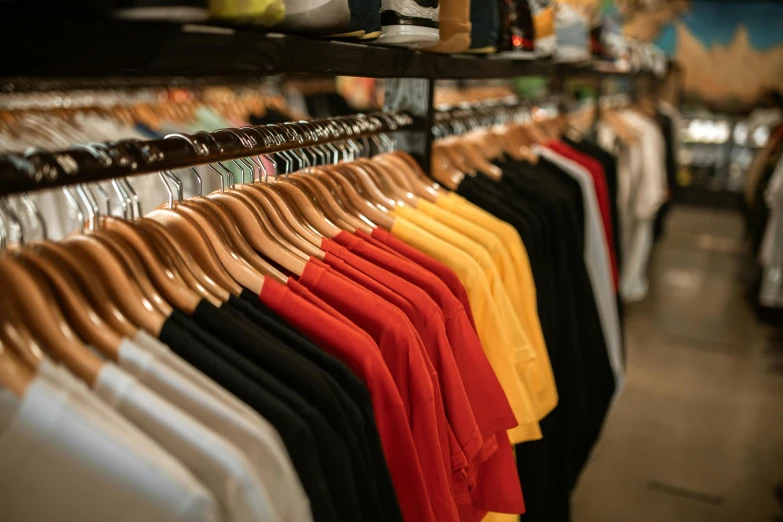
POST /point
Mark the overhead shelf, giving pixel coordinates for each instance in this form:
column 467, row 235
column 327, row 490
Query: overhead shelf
column 57, row 51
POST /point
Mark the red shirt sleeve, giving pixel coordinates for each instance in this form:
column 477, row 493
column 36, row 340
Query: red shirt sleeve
column 444, row 273
column 596, row 171
column 365, row 361
column 398, row 344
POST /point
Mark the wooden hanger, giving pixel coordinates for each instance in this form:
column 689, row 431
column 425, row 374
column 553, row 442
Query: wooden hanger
column 15, row 376
column 289, row 212
column 65, row 261
column 284, row 253
column 135, row 271
column 174, row 290
column 38, row 309
column 322, row 198
column 109, row 271
column 304, row 204
column 16, row 336
column 414, row 178
column 254, row 229
column 220, row 219
column 388, row 166
column 230, row 261
column 476, row 159
column 349, row 214
column 183, row 261
column 389, row 182
column 174, row 268
column 279, row 222
column 443, row 172
column 452, row 149
column 149, row 272
column 368, row 208
column 80, row 313
column 365, row 185
column 327, row 202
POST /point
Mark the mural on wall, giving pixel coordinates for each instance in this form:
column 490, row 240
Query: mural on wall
column 731, row 51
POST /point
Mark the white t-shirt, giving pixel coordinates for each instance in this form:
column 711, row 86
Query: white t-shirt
column 217, row 463
column 62, row 460
column 597, row 262
column 255, row 437
column 652, row 190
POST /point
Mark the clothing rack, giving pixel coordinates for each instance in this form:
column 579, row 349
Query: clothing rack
column 98, row 162
column 64, row 55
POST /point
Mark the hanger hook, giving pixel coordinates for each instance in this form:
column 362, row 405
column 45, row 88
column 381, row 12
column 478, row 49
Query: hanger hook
column 90, row 205
column 33, row 208
column 177, row 183
column 168, row 189
column 199, row 149
column 121, row 196
column 211, row 166
column 74, row 206
column 14, row 217
column 3, row 232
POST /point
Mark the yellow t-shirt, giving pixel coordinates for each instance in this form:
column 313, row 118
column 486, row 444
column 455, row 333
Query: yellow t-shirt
column 516, row 282
column 491, row 333
column 524, row 295
column 510, row 359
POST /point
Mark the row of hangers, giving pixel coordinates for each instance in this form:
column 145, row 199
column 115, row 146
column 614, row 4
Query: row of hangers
column 121, row 274
column 151, row 107
column 469, row 139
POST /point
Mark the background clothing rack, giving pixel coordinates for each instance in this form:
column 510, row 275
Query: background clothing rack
column 81, row 52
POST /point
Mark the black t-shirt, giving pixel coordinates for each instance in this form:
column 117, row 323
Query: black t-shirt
column 332, row 452
column 266, row 350
column 545, row 205
column 350, row 388
column 298, row 438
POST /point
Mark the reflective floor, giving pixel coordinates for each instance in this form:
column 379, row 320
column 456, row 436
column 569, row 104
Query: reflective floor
column 697, row 432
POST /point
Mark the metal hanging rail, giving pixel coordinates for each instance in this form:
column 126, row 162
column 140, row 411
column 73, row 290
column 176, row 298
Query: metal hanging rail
column 36, row 170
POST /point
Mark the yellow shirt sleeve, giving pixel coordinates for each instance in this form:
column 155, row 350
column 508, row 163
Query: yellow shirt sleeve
column 499, row 517
column 521, row 289
column 490, row 330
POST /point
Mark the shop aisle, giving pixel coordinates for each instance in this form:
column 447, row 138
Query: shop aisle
column 697, row 433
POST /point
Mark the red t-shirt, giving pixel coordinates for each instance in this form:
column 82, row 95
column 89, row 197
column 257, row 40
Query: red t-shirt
column 596, row 171
column 444, row 273
column 428, row 320
column 453, row 457
column 306, row 294
column 365, row 361
column 405, row 358
column 492, row 411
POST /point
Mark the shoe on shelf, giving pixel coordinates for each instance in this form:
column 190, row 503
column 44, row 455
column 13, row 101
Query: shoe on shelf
column 483, row 26
column 518, row 39
column 365, row 23
column 320, row 17
column 261, row 12
column 544, row 25
column 409, row 23
column 455, row 24
column 572, row 32
column 179, row 11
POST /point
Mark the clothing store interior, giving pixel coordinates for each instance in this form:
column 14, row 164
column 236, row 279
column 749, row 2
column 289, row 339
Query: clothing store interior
column 391, row 261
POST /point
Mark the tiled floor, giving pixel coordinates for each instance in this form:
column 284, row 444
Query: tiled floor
column 697, row 433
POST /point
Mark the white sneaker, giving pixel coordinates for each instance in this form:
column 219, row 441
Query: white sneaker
column 410, row 23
